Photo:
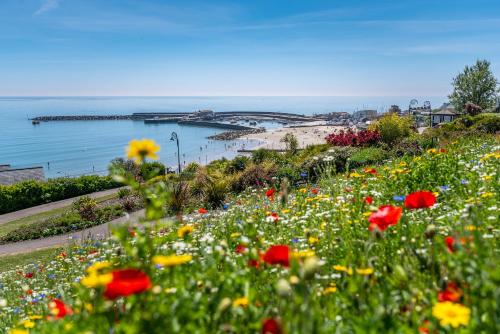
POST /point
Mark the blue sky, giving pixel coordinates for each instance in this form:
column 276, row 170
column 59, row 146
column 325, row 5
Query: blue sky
column 252, row 47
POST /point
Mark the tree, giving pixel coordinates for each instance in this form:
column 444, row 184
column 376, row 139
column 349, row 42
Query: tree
column 477, row 85
column 291, row 142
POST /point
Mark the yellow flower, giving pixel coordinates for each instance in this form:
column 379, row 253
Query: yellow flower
column 94, row 268
column 186, row 229
column 94, row 280
column 487, row 195
column 432, row 151
column 330, row 289
column 36, row 317
column 355, row 175
column 235, row 235
column 240, row 302
column 487, row 177
column 303, row 190
column 452, row 314
column 171, row 260
column 285, row 211
column 18, row 331
column 313, row 240
column 141, row 149
column 343, row 268
column 365, row 271
column 303, row 254
column 28, row 324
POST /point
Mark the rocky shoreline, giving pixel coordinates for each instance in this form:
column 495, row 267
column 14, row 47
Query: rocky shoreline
column 231, row 135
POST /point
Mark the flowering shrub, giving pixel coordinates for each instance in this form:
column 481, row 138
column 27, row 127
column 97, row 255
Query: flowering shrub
column 351, row 138
column 429, row 264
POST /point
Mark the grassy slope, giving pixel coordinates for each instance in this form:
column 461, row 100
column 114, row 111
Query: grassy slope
column 410, row 262
column 10, row 262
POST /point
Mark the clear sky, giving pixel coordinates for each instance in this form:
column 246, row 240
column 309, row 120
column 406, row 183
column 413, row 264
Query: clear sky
column 243, row 47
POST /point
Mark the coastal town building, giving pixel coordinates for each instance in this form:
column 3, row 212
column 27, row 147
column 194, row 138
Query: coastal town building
column 443, row 116
column 9, row 175
column 365, row 114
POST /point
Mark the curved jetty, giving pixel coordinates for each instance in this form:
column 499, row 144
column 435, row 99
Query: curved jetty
column 230, row 120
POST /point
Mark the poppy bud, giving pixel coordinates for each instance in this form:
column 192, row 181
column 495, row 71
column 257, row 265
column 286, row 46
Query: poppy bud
column 310, row 266
column 283, row 288
column 430, row 231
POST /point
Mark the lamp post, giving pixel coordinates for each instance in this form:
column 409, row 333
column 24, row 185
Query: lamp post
column 176, row 138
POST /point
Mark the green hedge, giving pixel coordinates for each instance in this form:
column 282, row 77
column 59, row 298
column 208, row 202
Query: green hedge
column 66, row 223
column 30, row 193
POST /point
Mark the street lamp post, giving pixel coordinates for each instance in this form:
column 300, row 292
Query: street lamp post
column 176, row 138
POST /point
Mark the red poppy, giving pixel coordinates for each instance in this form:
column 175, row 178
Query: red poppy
column 271, row 326
column 240, row 249
column 371, row 171
column 58, row 309
column 451, row 294
column 29, row 275
column 279, row 254
column 127, row 282
column 419, row 200
column 275, row 216
column 452, row 242
column 424, row 329
column 384, row 217
column 315, row 191
column 202, row 211
column 368, row 200
column 253, row 263
column 442, row 150
column 270, row 193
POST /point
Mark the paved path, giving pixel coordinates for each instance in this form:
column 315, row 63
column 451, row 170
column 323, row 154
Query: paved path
column 96, row 232
column 5, row 218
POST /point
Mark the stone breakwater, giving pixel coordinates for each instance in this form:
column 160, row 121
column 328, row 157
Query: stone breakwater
column 231, row 135
column 83, row 118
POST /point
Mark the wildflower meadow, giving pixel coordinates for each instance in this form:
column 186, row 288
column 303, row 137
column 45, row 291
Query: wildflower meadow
column 408, row 246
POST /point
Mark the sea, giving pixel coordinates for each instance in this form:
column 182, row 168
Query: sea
column 73, row 148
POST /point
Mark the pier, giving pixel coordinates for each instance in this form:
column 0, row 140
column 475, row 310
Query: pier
column 204, row 118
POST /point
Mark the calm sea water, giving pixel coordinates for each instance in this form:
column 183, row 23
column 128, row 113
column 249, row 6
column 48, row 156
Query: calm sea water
column 82, row 147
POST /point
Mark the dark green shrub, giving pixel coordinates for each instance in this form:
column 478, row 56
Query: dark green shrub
column 179, row 197
column 407, row 146
column 289, row 172
column 489, row 123
column 124, row 192
column 108, row 213
column 335, row 160
column 216, row 193
column 254, row 176
column 86, row 207
column 261, row 155
column 367, row 156
column 238, row 164
column 153, row 169
column 30, row 193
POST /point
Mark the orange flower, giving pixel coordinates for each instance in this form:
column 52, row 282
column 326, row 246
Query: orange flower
column 451, row 294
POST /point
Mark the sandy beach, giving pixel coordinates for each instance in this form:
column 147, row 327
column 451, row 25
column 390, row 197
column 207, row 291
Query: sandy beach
column 310, row 134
